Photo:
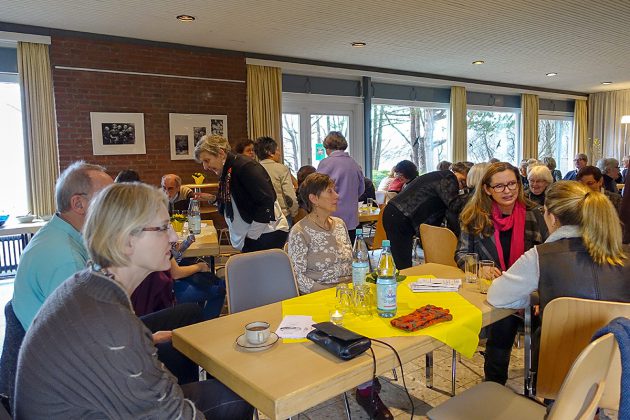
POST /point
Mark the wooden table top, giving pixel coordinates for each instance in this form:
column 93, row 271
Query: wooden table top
column 289, row 378
column 206, row 244
column 371, row 216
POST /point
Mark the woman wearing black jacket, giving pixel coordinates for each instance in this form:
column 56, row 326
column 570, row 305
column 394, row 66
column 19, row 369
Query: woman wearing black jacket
column 246, row 197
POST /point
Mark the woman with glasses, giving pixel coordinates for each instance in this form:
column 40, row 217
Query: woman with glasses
column 499, row 224
column 583, row 257
column 87, row 355
column 539, row 178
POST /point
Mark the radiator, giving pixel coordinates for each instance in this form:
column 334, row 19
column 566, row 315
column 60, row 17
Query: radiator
column 11, row 248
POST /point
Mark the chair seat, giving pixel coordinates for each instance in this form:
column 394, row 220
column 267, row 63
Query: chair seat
column 487, row 401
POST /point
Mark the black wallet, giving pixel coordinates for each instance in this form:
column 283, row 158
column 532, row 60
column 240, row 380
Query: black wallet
column 339, row 341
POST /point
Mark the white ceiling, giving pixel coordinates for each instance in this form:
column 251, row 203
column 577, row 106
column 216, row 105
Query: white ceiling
column 584, row 41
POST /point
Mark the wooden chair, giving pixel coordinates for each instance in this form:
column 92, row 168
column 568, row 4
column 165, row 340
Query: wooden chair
column 379, row 234
column 439, row 245
column 568, row 325
column 578, row 398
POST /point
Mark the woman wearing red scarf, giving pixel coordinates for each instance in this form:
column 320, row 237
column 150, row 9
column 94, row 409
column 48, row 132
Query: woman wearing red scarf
column 499, row 224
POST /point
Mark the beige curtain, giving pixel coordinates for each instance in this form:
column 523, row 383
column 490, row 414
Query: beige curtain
column 457, row 123
column 38, row 109
column 605, row 110
column 264, row 102
column 529, row 125
column 580, row 132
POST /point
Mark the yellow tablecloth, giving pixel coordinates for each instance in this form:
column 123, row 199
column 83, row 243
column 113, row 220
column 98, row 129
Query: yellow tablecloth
column 461, row 334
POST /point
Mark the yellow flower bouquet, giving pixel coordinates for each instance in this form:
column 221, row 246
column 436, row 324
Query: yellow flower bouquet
column 177, row 220
column 198, row 178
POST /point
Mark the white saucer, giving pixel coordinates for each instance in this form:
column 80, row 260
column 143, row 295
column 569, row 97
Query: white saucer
column 243, row 344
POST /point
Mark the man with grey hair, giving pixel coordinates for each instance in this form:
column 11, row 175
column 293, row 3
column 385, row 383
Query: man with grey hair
column 178, row 195
column 610, row 170
column 580, row 161
column 57, row 250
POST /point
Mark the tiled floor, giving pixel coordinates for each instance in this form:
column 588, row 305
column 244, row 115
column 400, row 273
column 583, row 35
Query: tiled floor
column 469, row 373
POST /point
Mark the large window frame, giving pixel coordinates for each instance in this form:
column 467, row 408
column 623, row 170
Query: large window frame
column 560, row 116
column 421, row 104
column 306, row 105
column 518, row 146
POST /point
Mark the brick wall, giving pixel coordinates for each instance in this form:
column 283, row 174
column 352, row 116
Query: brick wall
column 77, row 93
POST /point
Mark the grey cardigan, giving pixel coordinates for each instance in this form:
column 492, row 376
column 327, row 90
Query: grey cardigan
column 87, row 355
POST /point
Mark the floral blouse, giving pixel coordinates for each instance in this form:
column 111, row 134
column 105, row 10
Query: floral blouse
column 319, row 255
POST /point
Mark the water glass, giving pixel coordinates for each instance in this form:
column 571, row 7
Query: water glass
column 471, row 261
column 344, row 298
column 363, row 301
column 485, row 275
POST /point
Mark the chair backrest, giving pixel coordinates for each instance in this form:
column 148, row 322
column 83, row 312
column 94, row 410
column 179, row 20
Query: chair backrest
column 568, row 325
column 259, row 278
column 584, row 385
column 379, row 234
column 439, row 245
column 13, row 338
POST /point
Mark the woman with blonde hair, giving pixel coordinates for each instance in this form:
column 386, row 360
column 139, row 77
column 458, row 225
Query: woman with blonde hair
column 87, row 355
column 583, row 256
column 499, row 224
column 246, row 197
column 475, row 174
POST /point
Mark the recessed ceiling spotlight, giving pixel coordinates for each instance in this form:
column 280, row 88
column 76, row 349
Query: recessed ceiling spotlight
column 358, row 44
column 478, row 62
column 185, row 18
column 606, row 83
column 552, row 74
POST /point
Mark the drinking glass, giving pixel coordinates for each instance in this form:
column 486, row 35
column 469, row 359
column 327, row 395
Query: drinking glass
column 363, row 301
column 344, row 298
column 471, row 261
column 485, row 275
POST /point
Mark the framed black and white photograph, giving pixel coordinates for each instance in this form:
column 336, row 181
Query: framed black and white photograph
column 187, row 129
column 117, row 133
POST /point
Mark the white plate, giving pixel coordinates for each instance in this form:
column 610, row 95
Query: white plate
column 243, row 344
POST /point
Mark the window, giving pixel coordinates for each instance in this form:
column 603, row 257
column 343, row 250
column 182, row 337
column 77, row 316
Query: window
column 405, row 132
column 555, row 139
column 291, row 141
column 493, row 134
column 12, row 165
column 306, row 122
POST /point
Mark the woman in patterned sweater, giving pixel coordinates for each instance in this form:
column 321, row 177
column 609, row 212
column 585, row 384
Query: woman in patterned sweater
column 321, row 254
column 319, row 245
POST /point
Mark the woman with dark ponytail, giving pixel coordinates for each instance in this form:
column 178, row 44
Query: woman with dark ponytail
column 583, row 256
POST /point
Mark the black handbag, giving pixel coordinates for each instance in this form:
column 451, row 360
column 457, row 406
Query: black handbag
column 339, row 341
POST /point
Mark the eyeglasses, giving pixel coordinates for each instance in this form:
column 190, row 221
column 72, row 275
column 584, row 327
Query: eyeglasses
column 512, row 185
column 161, row 229
column 575, row 160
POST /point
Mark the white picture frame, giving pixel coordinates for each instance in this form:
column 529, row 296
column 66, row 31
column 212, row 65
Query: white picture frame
column 117, row 133
column 187, row 129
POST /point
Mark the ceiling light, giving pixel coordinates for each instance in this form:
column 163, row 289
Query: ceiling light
column 552, row 74
column 477, row 62
column 185, row 18
column 358, row 44
column 606, row 83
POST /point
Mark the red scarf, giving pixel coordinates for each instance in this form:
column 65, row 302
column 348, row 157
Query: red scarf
column 516, row 222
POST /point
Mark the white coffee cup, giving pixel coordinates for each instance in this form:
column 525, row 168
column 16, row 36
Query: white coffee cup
column 257, row 332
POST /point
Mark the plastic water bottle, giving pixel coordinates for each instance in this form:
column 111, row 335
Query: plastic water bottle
column 360, row 262
column 194, row 217
column 386, row 305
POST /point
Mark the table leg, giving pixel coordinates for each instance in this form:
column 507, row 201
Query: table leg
column 429, row 369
